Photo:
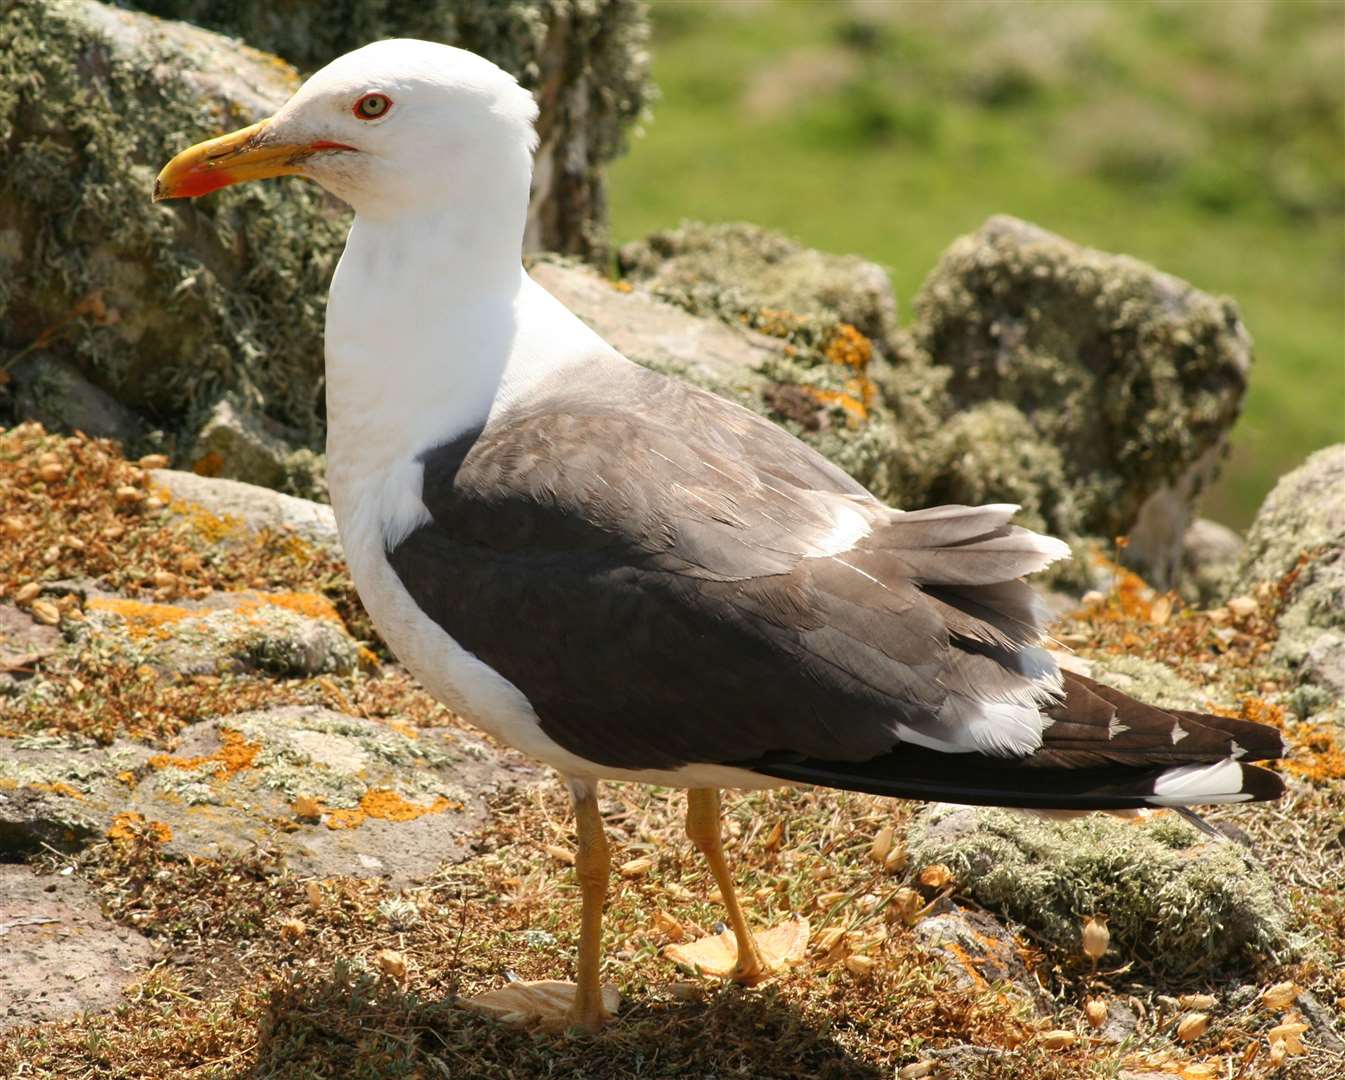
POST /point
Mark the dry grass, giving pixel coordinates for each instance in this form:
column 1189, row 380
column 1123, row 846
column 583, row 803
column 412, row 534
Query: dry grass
column 262, row 973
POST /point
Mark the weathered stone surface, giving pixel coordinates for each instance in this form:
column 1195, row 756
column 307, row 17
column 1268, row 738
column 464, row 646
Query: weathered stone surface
column 979, row 951
column 1300, row 531
column 57, row 395
column 1175, row 901
column 1130, row 376
column 661, row 335
column 335, row 794
column 287, row 635
column 238, row 507
column 24, row 642
column 55, row 793
column 1210, row 554
column 170, row 308
column 61, row 955
column 243, row 446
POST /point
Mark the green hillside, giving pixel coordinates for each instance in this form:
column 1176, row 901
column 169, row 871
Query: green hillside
column 1207, row 138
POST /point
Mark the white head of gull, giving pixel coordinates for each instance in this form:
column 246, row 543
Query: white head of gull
column 631, row 578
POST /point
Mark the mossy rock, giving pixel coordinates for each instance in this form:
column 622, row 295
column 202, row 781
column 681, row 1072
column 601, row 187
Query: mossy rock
column 1179, row 904
column 1297, row 543
column 1130, row 376
column 738, row 269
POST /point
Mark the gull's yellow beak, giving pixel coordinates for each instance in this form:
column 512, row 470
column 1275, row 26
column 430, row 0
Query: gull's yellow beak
column 247, row 154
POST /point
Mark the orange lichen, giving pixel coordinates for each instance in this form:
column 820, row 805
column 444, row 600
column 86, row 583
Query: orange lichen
column 849, row 347
column 131, row 826
column 853, row 407
column 313, row 605
column 57, row 788
column 234, row 755
column 209, row 465
column 142, row 619
column 386, row 805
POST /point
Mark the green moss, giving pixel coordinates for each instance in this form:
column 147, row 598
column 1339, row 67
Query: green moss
column 1175, row 902
column 736, row 269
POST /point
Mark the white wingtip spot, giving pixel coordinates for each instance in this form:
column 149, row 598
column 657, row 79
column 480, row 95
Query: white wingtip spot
column 1217, row 783
column 1116, row 728
column 1178, row 732
column 1237, row 751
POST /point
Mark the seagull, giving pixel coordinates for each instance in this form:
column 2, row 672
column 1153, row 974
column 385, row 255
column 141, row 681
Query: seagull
column 630, row 578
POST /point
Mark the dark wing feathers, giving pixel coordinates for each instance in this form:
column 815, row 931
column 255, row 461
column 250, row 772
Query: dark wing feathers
column 649, row 564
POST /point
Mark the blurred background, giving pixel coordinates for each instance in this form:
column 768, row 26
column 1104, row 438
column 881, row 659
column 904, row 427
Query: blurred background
column 1207, row 138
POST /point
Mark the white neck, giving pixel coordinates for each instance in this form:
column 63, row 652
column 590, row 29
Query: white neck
column 432, row 328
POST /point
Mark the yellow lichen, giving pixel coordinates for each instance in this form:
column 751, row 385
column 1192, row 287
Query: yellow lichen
column 849, row 347
column 142, row 619
column 130, row 826
column 386, row 805
column 234, row 755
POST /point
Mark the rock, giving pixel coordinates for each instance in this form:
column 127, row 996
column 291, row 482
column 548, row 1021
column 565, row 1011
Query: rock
column 286, row 635
column 1126, row 376
column 1297, row 544
column 171, row 307
column 662, row 336
column 55, row 393
column 62, row 957
column 24, row 642
column 239, row 445
column 980, row 952
column 61, row 795
column 1175, row 901
column 744, row 268
column 334, row 794
column 1210, row 554
column 233, row 506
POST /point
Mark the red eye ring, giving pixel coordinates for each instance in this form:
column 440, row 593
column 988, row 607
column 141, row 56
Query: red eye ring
column 372, row 107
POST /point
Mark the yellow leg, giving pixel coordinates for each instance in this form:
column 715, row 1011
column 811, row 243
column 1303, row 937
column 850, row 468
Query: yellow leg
column 703, row 830
column 593, row 864
column 549, row 1004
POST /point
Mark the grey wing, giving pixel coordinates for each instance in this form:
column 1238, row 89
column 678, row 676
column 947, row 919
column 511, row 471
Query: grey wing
column 670, row 579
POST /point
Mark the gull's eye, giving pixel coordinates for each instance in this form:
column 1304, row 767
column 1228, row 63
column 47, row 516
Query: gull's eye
column 372, row 106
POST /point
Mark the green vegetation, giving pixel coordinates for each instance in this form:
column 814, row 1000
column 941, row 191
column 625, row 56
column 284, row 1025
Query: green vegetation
column 1204, row 139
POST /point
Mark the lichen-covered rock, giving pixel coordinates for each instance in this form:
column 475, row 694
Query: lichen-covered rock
column 164, row 308
column 740, row 268
column 229, row 509
column 59, row 794
column 1297, row 542
column 287, row 635
column 1129, row 376
column 170, row 308
column 1174, row 901
column 356, row 796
